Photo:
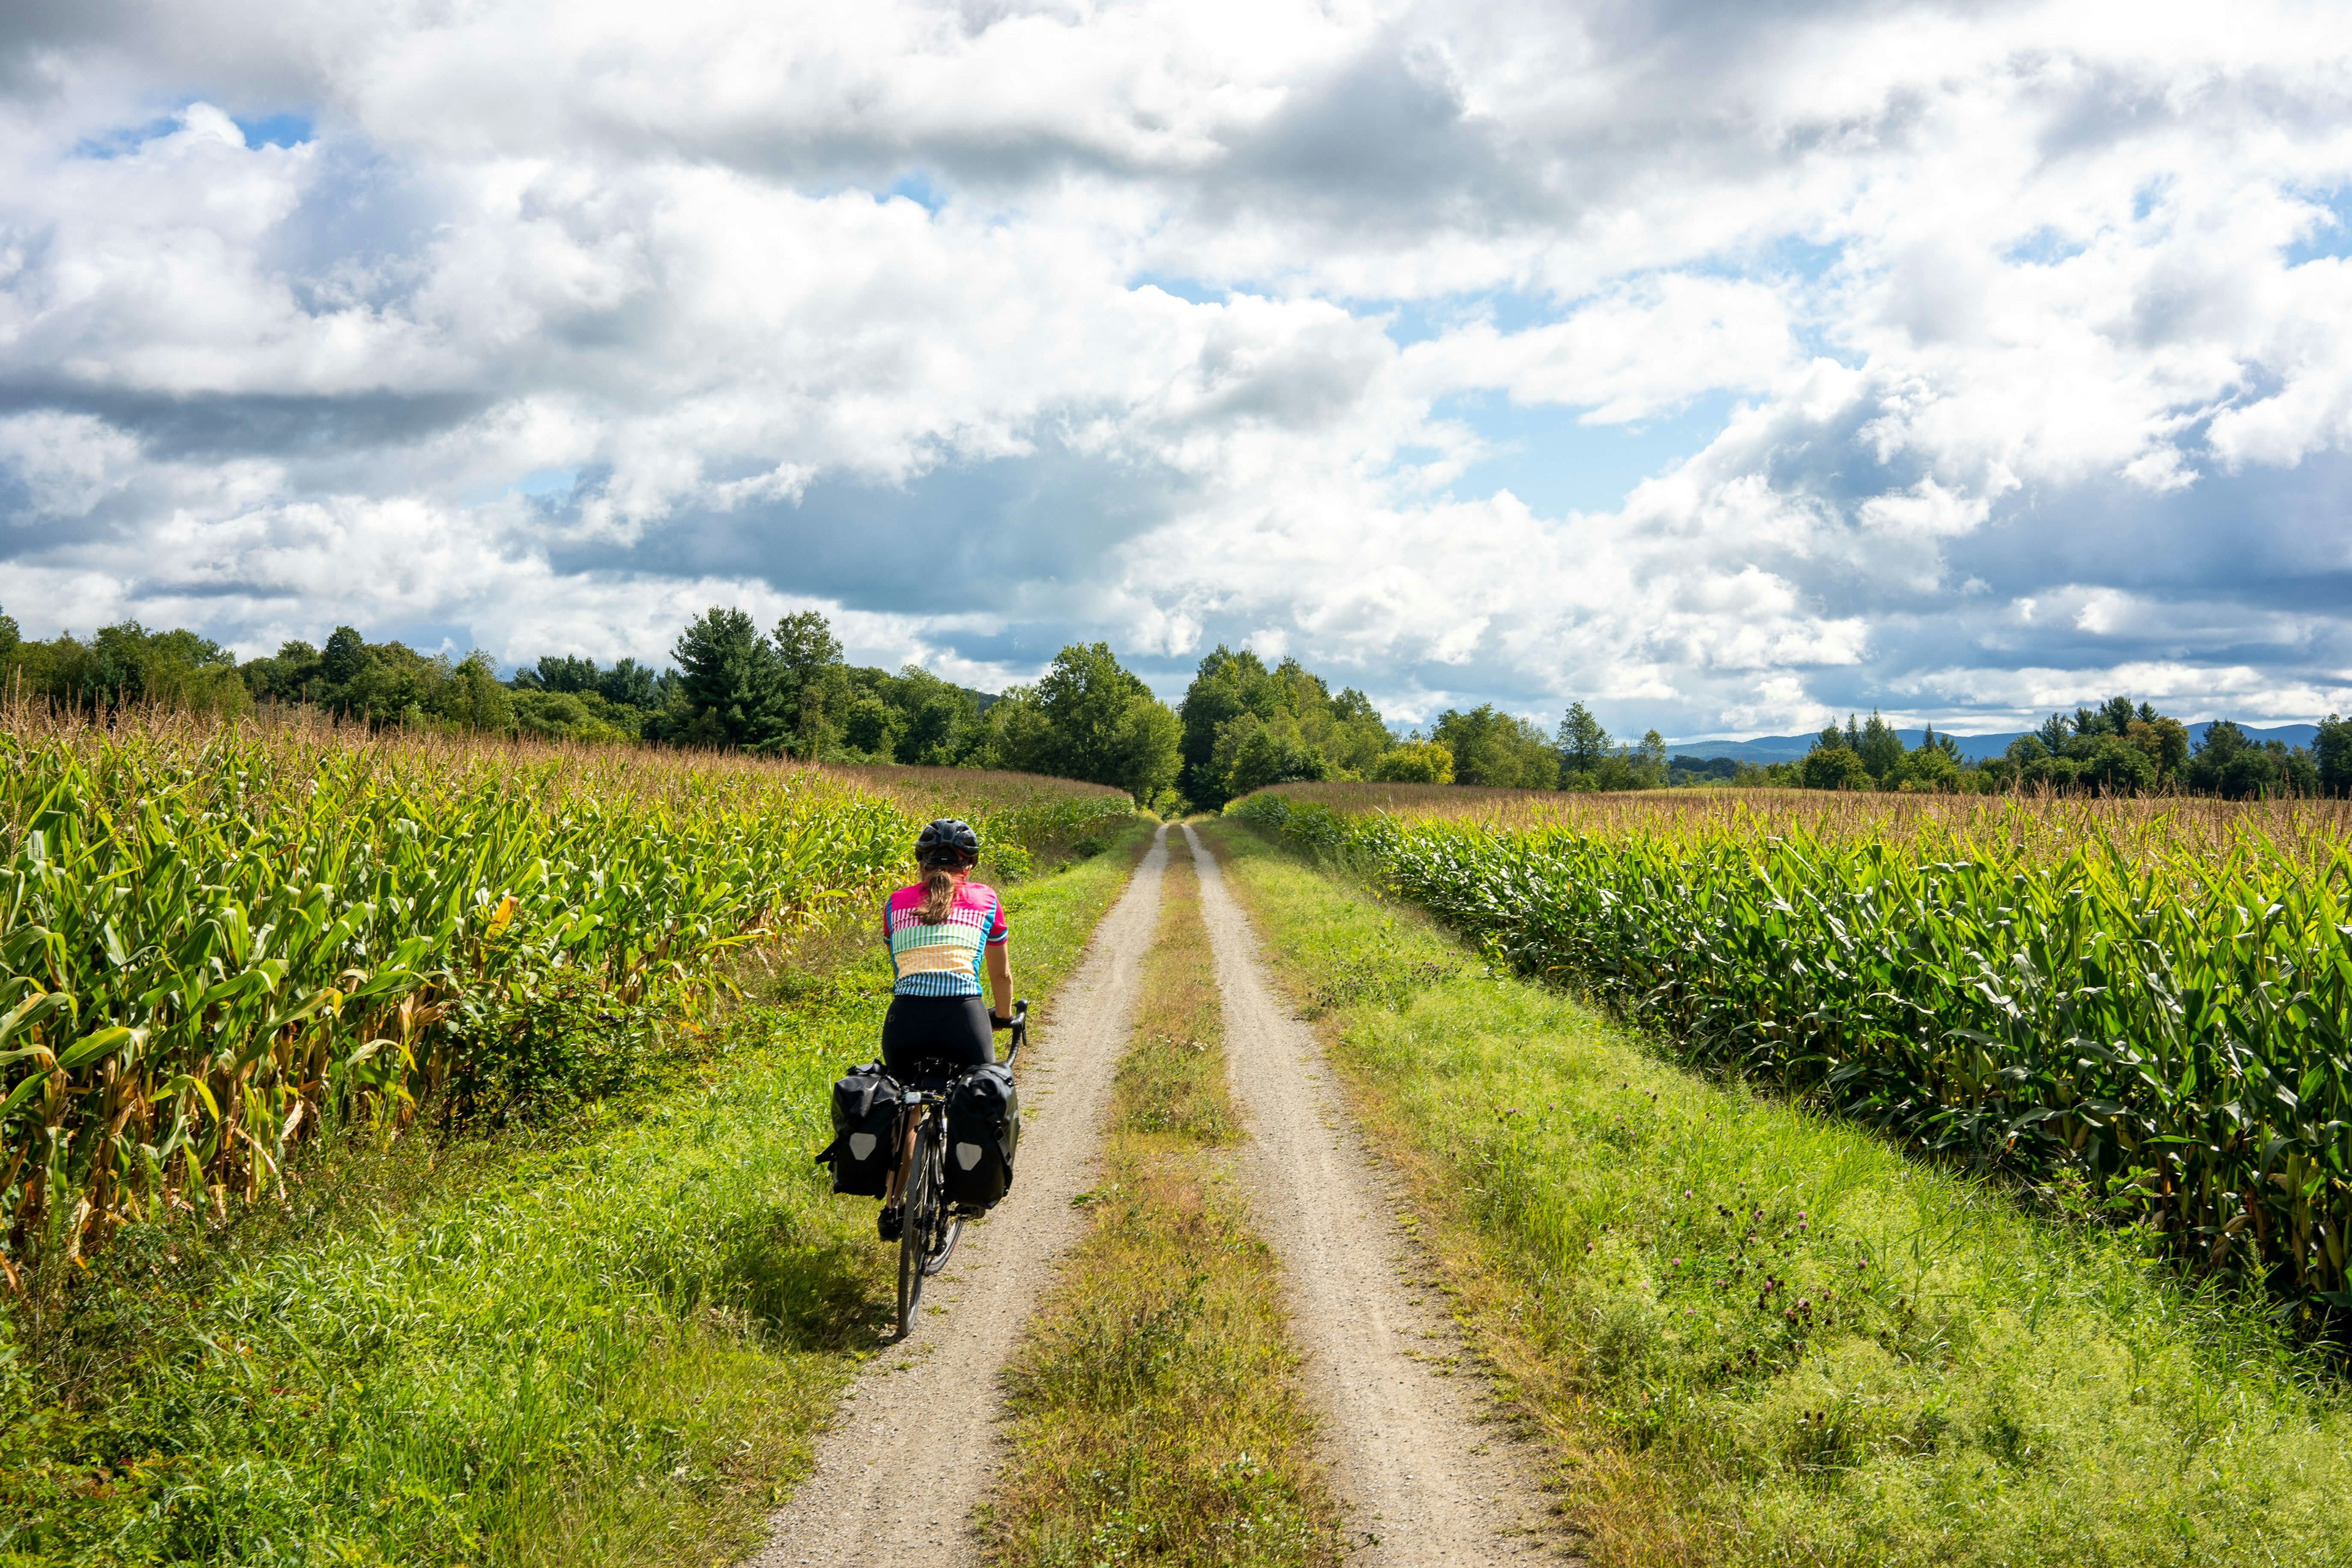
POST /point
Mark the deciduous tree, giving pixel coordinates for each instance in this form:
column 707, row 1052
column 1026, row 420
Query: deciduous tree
column 1498, row 750
column 1584, row 745
column 1417, row 761
column 1836, row 767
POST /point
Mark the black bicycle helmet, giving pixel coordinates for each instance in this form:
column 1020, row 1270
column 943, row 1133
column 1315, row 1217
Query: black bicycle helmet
column 949, row 841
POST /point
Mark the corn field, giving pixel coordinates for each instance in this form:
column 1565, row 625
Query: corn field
column 2150, row 1002
column 216, row 939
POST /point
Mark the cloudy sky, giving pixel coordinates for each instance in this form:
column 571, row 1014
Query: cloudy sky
column 1723, row 364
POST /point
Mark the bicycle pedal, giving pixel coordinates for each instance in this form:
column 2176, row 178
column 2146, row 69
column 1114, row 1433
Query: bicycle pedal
column 890, row 1222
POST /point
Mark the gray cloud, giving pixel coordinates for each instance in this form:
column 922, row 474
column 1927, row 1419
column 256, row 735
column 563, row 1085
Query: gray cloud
column 1386, row 142
column 1026, row 535
column 332, row 429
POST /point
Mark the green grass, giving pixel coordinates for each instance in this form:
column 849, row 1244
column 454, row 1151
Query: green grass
column 1751, row 1334
column 610, row 1348
column 2150, row 999
column 1156, row 1411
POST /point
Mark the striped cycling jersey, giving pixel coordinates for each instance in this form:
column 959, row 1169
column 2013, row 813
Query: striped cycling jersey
column 943, row 960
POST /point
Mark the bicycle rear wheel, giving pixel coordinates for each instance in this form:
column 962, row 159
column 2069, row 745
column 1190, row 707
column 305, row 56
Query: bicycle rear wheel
column 943, row 1237
column 921, row 1212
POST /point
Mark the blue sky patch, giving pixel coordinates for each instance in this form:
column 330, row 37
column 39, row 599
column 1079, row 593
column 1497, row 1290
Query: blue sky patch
column 1190, row 289
column 547, row 481
column 1557, row 465
column 542, row 485
column 2329, row 236
column 1793, row 256
column 1787, row 257
column 2045, row 247
column 277, row 130
column 125, row 141
column 1414, row 321
column 917, row 187
column 285, row 130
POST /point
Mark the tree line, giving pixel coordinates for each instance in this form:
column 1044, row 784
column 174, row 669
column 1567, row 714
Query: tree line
column 783, row 690
column 1247, row 726
column 2117, row 747
column 787, row 690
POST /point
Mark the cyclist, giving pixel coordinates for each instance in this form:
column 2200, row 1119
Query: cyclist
column 943, row 932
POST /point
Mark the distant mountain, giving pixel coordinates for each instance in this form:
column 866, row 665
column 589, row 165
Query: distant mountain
column 1973, row 748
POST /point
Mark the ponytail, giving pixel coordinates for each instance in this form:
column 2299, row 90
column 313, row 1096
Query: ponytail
column 939, row 893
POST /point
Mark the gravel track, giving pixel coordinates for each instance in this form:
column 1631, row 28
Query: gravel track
column 918, row 1441
column 1412, row 1460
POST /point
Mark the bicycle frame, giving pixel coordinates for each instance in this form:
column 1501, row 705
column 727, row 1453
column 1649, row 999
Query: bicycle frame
column 928, row 1229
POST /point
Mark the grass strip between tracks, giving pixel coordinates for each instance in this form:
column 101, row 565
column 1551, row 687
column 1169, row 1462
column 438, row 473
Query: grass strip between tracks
column 611, row 1350
column 1157, row 1413
column 1754, row 1335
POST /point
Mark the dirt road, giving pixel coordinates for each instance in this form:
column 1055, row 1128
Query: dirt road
column 918, row 1440
column 1410, row 1459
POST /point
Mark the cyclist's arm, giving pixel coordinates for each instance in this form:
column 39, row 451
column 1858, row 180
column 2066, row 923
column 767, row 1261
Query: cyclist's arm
column 1000, row 977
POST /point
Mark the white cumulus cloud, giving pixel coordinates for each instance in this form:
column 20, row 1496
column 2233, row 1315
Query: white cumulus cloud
column 1722, row 367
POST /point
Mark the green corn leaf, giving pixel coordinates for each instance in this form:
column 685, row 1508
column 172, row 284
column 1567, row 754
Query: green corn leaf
column 24, row 1091
column 97, row 1047
column 32, row 1010
column 182, row 1083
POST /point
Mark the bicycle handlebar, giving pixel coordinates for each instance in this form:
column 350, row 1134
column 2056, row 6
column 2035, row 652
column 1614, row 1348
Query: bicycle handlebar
column 1020, row 1031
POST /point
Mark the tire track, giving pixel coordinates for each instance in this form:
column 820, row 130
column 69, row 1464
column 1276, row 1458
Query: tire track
column 917, row 1439
column 1411, row 1459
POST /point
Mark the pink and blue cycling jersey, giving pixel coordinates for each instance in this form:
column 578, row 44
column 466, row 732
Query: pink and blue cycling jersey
column 943, row 960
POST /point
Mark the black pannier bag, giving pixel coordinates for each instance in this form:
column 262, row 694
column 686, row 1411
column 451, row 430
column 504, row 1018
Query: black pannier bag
column 983, row 1130
column 865, row 1146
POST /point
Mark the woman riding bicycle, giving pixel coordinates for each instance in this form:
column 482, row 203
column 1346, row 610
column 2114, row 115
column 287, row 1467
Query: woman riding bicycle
column 941, row 931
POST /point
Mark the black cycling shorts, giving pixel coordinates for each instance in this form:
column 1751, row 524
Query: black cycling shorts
column 952, row 1029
